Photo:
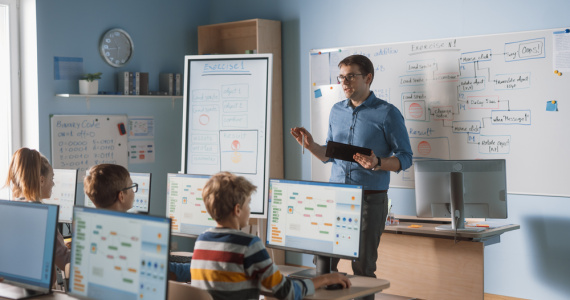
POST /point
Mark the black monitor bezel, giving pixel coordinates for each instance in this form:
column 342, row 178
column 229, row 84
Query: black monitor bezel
column 318, row 253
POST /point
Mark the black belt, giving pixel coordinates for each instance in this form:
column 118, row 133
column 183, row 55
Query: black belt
column 372, row 192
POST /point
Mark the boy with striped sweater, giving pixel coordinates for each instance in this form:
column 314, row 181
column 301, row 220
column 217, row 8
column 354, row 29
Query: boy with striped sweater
column 231, row 264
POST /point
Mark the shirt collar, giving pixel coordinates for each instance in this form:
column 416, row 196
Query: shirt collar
column 368, row 102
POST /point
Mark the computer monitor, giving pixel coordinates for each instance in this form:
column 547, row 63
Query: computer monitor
column 319, row 218
column 461, row 189
column 142, row 196
column 28, row 233
column 185, row 206
column 63, row 193
column 116, row 255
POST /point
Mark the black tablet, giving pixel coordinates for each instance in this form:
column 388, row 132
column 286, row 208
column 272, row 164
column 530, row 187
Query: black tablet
column 345, row 151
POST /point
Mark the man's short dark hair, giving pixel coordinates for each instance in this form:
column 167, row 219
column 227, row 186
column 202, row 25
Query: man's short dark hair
column 364, row 64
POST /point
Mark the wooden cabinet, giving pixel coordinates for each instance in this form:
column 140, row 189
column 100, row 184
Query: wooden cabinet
column 265, row 37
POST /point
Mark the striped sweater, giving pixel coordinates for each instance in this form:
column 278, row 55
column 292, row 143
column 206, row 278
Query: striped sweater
column 231, row 264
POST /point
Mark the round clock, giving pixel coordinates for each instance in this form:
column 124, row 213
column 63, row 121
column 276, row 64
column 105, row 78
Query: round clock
column 116, row 47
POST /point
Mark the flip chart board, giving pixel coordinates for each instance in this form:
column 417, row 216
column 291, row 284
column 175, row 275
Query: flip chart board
column 227, row 105
column 483, row 97
column 82, row 141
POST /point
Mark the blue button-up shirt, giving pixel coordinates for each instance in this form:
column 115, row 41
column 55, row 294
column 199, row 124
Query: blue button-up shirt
column 375, row 124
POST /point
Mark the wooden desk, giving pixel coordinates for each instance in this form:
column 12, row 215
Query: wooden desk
column 361, row 286
column 427, row 264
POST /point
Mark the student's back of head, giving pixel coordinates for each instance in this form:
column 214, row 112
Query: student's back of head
column 109, row 186
column 223, row 192
column 30, row 175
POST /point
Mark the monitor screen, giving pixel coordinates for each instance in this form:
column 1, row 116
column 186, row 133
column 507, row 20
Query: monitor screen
column 63, row 193
column 184, row 204
column 116, row 255
column 484, row 188
column 142, row 196
column 315, row 217
column 28, row 238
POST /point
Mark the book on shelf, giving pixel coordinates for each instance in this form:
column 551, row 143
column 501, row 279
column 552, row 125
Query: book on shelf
column 143, row 83
column 123, row 83
column 166, row 83
column 177, row 84
column 137, row 83
column 131, row 82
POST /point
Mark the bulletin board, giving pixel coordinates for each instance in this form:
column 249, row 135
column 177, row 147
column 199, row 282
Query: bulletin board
column 82, row 141
column 483, row 97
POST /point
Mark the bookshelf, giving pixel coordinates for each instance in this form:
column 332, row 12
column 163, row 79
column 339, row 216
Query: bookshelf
column 265, row 37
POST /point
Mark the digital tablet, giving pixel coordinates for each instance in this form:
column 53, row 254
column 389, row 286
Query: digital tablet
column 345, row 151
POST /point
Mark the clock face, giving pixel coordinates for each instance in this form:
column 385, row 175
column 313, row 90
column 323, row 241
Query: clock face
column 116, row 47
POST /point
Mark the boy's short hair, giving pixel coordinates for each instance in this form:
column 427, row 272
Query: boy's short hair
column 223, row 191
column 104, row 182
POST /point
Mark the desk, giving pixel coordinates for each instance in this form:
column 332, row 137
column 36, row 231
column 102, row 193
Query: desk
column 425, row 263
column 361, row 286
column 57, row 295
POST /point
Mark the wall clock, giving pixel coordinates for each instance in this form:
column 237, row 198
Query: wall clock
column 116, row 47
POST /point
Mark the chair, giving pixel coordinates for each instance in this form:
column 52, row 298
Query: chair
column 179, row 290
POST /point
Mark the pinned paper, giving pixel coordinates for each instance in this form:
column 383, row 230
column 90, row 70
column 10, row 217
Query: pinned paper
column 318, row 93
column 67, row 68
column 552, row 105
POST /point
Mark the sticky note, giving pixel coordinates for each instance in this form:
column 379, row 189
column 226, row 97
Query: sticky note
column 318, row 93
column 552, row 105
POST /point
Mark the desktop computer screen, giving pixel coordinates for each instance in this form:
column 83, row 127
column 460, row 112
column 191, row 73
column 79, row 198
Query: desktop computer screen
column 28, row 233
column 320, row 218
column 63, row 193
column 185, row 206
column 479, row 188
column 142, row 196
column 116, row 255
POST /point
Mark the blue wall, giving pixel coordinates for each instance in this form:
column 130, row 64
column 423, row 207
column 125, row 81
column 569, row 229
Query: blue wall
column 162, row 32
column 532, row 262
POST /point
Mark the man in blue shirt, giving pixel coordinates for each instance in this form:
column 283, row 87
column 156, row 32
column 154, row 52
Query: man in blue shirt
column 366, row 121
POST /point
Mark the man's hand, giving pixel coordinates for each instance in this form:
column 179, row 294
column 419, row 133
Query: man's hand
column 299, row 132
column 367, row 162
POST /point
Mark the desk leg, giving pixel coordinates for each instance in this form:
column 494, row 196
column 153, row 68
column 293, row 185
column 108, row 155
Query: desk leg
column 429, row 268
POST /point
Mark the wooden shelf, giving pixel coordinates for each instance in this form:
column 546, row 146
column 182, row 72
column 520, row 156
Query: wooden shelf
column 116, row 96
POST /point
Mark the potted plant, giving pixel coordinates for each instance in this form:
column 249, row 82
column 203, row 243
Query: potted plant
column 89, row 85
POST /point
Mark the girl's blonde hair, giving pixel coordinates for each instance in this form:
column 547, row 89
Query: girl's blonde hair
column 26, row 168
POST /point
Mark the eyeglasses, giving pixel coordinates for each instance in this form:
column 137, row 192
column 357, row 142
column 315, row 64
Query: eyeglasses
column 349, row 77
column 135, row 187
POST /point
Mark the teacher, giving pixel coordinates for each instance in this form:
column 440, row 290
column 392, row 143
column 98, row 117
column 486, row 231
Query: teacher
column 366, row 121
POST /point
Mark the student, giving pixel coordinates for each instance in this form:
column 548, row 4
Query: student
column 30, row 177
column 110, row 186
column 231, row 264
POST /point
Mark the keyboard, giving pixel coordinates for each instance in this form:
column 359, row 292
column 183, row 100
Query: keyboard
column 180, row 257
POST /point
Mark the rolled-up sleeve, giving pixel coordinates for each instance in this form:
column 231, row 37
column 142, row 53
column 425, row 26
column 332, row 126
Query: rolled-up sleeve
column 398, row 138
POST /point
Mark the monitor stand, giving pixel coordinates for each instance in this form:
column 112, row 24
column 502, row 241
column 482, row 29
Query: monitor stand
column 457, row 205
column 323, row 267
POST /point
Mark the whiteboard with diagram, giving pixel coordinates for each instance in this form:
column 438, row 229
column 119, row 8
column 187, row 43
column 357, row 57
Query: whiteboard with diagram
column 483, row 97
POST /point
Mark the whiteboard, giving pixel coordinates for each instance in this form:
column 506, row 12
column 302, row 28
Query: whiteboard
column 82, row 141
column 227, row 105
column 483, row 97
